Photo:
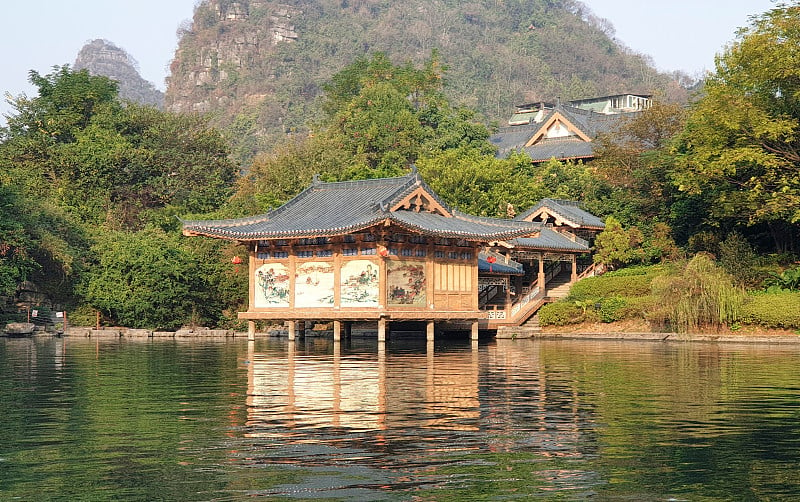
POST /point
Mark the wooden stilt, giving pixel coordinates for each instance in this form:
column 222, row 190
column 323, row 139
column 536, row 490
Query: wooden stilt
column 381, row 330
column 337, row 331
column 430, row 331
column 290, row 327
column 251, row 330
column 474, row 334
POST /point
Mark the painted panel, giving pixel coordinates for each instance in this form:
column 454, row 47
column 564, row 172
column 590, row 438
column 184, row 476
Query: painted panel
column 359, row 283
column 313, row 285
column 271, row 286
column 406, row 283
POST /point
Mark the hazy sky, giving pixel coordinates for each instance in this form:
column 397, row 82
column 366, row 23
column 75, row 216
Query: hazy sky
column 39, row 34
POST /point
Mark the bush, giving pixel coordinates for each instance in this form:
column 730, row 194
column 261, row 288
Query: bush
column 773, row 310
column 611, row 285
column 560, row 314
column 611, row 309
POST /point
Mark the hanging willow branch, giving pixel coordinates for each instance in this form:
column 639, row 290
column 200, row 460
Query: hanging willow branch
column 702, row 295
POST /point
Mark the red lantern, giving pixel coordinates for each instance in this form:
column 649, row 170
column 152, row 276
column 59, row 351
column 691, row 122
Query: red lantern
column 236, row 260
column 383, row 252
column 490, row 259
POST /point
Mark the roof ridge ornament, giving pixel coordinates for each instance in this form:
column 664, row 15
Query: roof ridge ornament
column 315, row 180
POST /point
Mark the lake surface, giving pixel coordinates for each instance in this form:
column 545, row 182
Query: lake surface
column 222, row 420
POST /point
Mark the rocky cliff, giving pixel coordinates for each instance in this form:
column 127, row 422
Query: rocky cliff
column 101, row 57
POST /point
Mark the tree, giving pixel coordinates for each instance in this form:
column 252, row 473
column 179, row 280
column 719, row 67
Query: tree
column 616, row 246
column 701, row 294
column 741, row 144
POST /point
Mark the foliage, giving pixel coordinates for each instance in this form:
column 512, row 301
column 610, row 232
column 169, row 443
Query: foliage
column 616, row 246
column 610, row 284
column 634, row 161
column 776, row 309
column 142, row 280
column 738, row 258
column 788, row 280
column 15, row 261
column 561, row 314
column 700, row 295
column 150, row 279
column 739, row 149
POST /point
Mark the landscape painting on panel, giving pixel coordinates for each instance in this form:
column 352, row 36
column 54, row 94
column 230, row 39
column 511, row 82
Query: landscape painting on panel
column 359, row 284
column 271, row 286
column 313, row 285
column 406, row 282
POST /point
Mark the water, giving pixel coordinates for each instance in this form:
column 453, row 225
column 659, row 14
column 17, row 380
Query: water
column 224, row 420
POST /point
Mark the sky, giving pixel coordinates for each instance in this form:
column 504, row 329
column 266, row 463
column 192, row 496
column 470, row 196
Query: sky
column 39, row 34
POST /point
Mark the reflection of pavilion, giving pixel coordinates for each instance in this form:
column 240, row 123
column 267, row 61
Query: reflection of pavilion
column 428, row 391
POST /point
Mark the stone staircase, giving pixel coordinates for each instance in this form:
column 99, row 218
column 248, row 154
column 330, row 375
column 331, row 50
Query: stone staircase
column 559, row 286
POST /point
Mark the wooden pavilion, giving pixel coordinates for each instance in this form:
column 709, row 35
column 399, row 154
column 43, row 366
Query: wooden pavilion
column 388, row 251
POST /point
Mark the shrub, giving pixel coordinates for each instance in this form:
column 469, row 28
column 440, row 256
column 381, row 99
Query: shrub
column 611, row 309
column 611, row 285
column 773, row 310
column 560, row 314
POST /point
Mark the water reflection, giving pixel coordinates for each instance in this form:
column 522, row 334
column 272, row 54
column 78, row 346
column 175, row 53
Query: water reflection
column 359, row 393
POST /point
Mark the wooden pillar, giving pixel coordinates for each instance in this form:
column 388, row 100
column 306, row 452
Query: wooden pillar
column 382, row 329
column 540, row 279
column 574, row 276
column 474, row 334
column 337, row 331
column 430, row 331
column 290, row 327
column 251, row 330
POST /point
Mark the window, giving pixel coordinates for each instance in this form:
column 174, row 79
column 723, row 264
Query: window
column 324, row 253
column 350, row 252
column 263, row 256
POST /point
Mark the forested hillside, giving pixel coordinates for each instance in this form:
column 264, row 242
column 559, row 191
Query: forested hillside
column 258, row 66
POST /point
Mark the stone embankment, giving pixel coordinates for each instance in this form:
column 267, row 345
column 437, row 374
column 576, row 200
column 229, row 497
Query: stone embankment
column 145, row 333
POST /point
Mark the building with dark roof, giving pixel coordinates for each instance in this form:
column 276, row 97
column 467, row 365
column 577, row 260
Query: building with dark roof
column 389, row 250
column 565, row 131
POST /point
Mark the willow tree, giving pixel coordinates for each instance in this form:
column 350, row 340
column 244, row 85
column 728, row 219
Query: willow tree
column 741, row 145
column 701, row 295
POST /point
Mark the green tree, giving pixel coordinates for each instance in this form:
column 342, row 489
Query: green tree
column 142, row 280
column 616, row 246
column 15, row 243
column 740, row 147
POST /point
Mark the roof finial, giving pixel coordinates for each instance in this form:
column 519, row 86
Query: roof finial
column 315, row 180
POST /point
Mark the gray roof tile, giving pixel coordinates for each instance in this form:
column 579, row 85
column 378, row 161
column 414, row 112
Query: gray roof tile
column 327, row 209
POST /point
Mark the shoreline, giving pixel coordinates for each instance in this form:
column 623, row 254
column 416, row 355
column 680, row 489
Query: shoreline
column 591, row 332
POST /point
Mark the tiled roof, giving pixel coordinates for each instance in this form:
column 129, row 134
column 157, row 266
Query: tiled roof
column 328, row 209
column 590, row 123
column 569, row 210
column 550, row 240
column 499, row 266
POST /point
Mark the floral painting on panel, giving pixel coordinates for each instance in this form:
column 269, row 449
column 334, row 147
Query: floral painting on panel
column 271, row 286
column 406, row 283
column 313, row 285
column 359, row 284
